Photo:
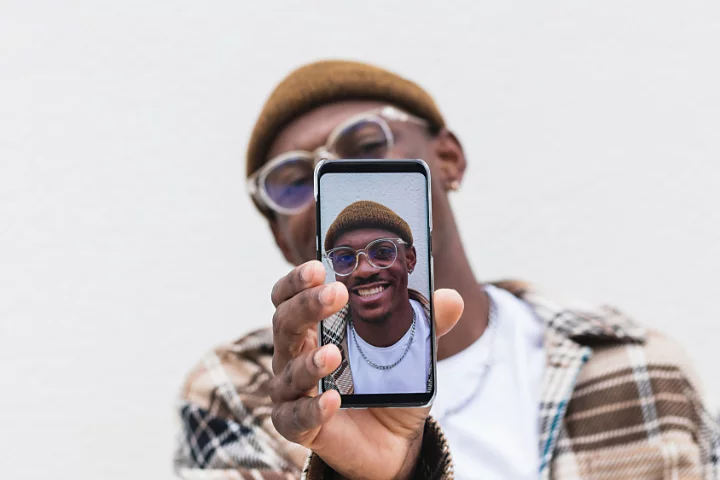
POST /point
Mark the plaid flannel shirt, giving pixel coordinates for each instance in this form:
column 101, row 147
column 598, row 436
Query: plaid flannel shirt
column 618, row 402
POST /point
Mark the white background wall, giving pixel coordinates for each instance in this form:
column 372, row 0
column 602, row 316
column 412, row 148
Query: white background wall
column 128, row 247
column 403, row 193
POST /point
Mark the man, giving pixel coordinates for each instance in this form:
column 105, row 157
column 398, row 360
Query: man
column 527, row 387
column 383, row 332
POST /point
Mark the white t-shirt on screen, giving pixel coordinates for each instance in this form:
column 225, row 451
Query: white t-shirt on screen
column 408, row 376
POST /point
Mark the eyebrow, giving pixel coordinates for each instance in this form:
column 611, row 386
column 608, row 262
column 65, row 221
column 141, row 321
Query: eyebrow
column 316, row 141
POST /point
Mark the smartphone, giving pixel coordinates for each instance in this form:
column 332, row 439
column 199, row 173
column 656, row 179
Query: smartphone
column 374, row 235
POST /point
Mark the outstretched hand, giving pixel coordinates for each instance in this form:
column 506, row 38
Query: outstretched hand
column 370, row 443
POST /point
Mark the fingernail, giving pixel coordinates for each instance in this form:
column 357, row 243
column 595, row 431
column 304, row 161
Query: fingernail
column 322, row 403
column 319, row 358
column 327, row 296
column 305, row 274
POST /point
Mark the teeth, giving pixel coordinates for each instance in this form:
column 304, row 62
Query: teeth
column 364, row 292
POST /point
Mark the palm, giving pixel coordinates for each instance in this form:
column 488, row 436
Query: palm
column 373, row 443
column 381, row 434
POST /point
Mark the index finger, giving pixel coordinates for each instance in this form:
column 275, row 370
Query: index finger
column 308, row 275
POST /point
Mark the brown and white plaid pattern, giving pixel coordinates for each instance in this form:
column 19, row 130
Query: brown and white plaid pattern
column 618, row 402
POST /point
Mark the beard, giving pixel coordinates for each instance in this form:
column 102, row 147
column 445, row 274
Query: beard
column 375, row 320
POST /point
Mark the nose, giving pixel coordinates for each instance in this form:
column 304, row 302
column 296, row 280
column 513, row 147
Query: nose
column 364, row 269
column 322, row 153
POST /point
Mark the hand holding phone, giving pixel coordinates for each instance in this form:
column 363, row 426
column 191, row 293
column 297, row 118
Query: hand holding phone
column 311, row 306
column 367, row 443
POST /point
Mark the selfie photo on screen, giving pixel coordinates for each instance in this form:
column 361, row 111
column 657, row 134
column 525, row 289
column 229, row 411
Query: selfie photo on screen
column 378, row 248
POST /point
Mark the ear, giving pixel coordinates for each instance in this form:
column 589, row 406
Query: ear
column 451, row 158
column 280, row 240
column 410, row 258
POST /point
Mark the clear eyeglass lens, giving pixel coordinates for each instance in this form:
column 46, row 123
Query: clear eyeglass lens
column 290, row 184
column 365, row 139
column 343, row 260
column 380, row 254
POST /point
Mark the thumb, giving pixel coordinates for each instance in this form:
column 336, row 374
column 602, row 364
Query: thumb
column 448, row 308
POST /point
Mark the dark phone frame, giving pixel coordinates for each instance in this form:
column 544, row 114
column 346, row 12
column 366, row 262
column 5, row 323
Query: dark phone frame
column 399, row 400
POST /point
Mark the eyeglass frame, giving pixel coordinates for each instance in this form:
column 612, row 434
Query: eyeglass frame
column 394, row 241
column 379, row 115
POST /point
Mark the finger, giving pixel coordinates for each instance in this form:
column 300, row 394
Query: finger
column 302, row 374
column 449, row 306
column 304, row 311
column 294, row 420
column 302, row 277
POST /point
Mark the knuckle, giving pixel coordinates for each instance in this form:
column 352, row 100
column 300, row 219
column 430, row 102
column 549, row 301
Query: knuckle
column 297, row 417
column 276, row 321
column 310, row 366
column 276, row 417
column 273, row 293
column 297, row 278
column 283, row 425
column 297, row 345
column 304, row 299
column 273, row 388
column 277, row 365
column 287, row 375
column 309, row 298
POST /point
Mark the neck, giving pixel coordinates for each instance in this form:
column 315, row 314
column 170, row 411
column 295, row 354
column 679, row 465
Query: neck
column 452, row 270
column 388, row 331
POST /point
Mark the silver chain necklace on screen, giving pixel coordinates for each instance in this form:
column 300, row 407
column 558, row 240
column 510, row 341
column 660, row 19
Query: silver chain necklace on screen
column 385, row 367
column 491, row 330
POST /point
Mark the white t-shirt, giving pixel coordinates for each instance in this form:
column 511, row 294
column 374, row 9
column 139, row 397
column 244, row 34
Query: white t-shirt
column 491, row 420
column 408, row 376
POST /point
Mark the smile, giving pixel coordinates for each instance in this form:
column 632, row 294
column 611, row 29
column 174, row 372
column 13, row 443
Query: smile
column 367, row 291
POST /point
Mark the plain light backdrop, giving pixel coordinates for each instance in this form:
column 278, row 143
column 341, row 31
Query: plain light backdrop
column 128, row 246
column 403, row 193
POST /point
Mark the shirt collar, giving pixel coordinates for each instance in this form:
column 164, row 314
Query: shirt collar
column 582, row 324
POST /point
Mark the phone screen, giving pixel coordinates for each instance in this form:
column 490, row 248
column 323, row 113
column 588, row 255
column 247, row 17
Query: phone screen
column 373, row 235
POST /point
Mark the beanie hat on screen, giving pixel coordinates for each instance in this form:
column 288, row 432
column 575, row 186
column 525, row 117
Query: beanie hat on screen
column 367, row 214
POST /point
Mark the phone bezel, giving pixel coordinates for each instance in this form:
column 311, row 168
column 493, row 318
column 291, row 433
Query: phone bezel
column 399, row 400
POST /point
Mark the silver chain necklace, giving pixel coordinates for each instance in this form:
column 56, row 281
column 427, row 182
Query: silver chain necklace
column 385, row 367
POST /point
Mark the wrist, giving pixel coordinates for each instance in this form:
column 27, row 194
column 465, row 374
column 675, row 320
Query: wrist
column 412, row 459
column 409, row 466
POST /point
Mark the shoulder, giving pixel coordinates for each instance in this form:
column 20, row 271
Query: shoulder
column 635, row 402
column 633, row 394
column 637, row 387
column 627, row 361
column 657, row 354
column 656, row 361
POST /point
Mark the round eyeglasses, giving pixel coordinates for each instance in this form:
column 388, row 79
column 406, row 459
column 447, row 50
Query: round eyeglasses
column 285, row 183
column 380, row 253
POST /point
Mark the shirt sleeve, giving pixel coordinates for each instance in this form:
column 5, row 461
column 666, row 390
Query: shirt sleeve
column 214, row 448
column 225, row 431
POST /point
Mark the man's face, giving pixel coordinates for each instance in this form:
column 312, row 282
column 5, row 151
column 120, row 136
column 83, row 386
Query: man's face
column 376, row 293
column 295, row 234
